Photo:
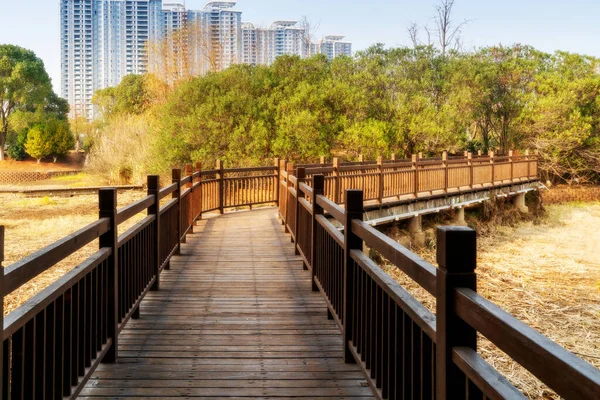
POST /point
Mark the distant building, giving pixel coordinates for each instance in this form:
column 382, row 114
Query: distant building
column 104, row 40
column 333, row 46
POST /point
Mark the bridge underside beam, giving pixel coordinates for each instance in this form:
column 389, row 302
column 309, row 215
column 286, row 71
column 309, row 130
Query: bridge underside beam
column 387, row 213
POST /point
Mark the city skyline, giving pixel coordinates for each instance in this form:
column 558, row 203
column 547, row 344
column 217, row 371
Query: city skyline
column 102, row 41
column 546, row 25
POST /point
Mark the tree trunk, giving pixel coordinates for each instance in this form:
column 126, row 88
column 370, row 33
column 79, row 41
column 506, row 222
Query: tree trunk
column 2, row 142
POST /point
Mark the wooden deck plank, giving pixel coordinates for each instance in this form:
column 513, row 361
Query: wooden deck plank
column 235, row 318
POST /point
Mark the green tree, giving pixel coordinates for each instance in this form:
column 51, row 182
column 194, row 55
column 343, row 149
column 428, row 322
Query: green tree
column 38, row 143
column 24, row 84
column 60, row 137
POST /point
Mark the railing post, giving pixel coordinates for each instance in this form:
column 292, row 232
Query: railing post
column 470, row 164
column 176, row 178
column 527, row 159
column 154, row 209
column 290, row 172
column 478, row 153
column 199, row 171
column 276, row 164
column 300, row 175
column 2, row 355
column 318, row 190
column 189, row 171
column 393, row 157
column 322, row 161
column 456, row 257
column 336, row 180
column 220, row 177
column 380, row 189
column 445, row 165
column 354, row 210
column 282, row 200
column 420, row 155
column 415, row 167
column 491, row 154
column 361, row 158
column 510, row 160
column 107, row 202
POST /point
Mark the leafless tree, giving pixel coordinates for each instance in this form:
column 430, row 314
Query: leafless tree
column 310, row 32
column 413, row 33
column 447, row 32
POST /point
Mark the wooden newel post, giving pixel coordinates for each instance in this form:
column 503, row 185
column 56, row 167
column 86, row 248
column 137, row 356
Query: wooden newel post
column 361, row 158
column 221, row 176
column 318, row 190
column 470, row 164
column 322, row 161
column 528, row 168
column 107, row 202
column 456, row 257
column 2, row 355
column 189, row 171
column 276, row 164
column 445, row 165
column 380, row 188
column 282, row 194
column 154, row 209
column 288, row 217
column 510, row 160
column 393, row 157
column 198, row 215
column 300, row 175
column 354, row 210
column 491, row 154
column 176, row 178
column 336, row 180
column 415, row 167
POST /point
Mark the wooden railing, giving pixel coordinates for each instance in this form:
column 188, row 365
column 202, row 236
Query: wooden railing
column 405, row 350
column 419, row 177
column 54, row 341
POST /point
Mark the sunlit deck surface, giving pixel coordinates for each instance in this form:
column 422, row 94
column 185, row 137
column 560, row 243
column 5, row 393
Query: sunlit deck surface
column 235, row 318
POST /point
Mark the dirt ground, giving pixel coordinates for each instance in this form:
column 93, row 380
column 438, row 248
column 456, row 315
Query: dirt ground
column 71, row 162
column 33, row 223
column 546, row 274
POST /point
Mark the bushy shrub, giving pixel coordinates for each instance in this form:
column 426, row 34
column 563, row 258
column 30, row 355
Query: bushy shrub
column 16, row 145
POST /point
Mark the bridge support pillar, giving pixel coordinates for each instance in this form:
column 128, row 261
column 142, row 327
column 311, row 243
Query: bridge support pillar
column 459, row 216
column 519, row 202
column 415, row 227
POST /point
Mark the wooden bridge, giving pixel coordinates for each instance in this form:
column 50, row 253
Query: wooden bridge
column 192, row 304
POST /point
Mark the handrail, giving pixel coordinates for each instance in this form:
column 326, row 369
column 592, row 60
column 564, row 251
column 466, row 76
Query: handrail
column 17, row 318
column 528, row 347
column 488, row 380
column 164, row 192
column 411, row 264
column 332, row 208
column 22, row 271
column 134, row 208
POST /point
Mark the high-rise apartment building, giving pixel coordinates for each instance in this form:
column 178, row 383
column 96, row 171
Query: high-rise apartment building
column 101, row 42
column 104, row 40
column 223, row 25
column 333, row 46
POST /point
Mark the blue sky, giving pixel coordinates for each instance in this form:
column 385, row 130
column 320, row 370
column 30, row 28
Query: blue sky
column 571, row 25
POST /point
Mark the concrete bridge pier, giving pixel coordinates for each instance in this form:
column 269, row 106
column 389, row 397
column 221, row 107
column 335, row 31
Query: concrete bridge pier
column 459, row 216
column 519, row 202
column 415, row 228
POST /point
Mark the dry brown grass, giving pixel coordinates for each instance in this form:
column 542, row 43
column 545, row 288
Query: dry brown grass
column 33, row 223
column 546, row 274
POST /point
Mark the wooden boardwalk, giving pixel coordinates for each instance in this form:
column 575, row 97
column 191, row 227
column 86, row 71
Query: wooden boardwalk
column 235, row 317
